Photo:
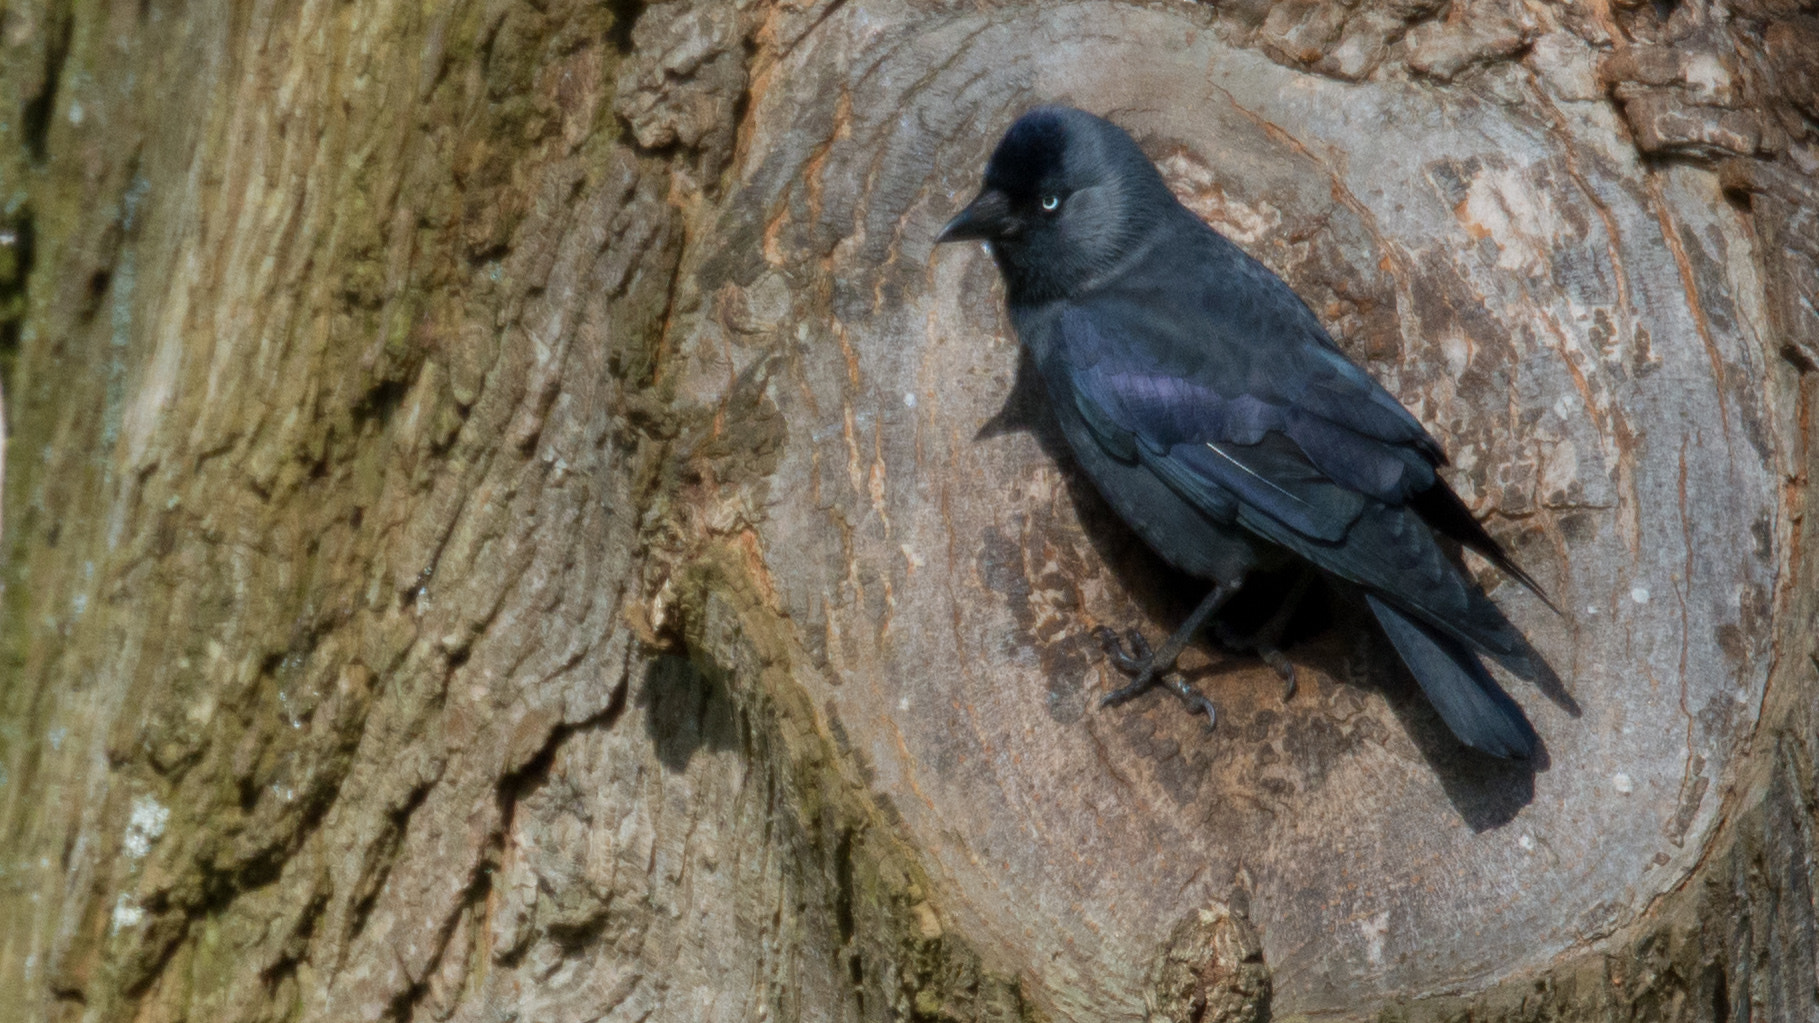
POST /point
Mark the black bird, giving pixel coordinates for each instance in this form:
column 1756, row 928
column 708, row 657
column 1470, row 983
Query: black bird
column 1217, row 417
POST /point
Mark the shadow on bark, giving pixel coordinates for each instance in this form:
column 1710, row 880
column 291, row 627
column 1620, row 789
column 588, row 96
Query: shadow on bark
column 686, row 709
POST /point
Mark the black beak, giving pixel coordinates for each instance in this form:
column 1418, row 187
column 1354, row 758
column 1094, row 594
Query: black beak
column 988, row 217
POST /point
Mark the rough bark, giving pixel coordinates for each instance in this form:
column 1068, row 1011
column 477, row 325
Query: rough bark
column 507, row 515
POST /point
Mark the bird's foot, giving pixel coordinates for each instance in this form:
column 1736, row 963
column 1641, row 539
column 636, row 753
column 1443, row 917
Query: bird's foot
column 1135, row 661
column 1279, row 661
column 1264, row 645
column 1139, row 662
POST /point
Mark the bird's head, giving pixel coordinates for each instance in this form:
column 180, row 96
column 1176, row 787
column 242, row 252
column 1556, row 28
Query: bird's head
column 1067, row 195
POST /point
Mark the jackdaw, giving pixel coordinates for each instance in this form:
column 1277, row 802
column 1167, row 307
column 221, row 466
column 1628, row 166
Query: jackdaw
column 1216, row 416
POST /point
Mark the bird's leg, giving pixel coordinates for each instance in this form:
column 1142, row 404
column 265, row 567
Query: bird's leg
column 1265, row 639
column 1152, row 668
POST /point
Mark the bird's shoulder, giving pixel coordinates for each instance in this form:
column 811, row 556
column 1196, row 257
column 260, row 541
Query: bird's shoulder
column 1198, row 307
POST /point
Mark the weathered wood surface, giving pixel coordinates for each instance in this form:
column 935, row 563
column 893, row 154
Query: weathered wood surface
column 1589, row 350
column 508, row 515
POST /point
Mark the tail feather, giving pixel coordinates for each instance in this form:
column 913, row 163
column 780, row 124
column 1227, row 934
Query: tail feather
column 1471, row 703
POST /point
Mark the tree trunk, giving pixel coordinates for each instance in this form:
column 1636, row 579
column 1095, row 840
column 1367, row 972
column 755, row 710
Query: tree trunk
column 508, row 516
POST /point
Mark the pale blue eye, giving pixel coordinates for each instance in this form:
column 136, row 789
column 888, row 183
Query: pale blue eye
column 1051, row 203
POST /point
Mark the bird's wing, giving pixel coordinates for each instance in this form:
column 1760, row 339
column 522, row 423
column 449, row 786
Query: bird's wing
column 1214, row 440
column 1335, row 493
column 1338, row 391
column 1347, row 424
column 1209, row 404
column 1163, row 378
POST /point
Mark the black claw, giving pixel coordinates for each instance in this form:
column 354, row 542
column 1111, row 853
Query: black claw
column 1194, row 700
column 1276, row 660
column 1132, row 661
column 1135, row 687
column 1132, row 656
